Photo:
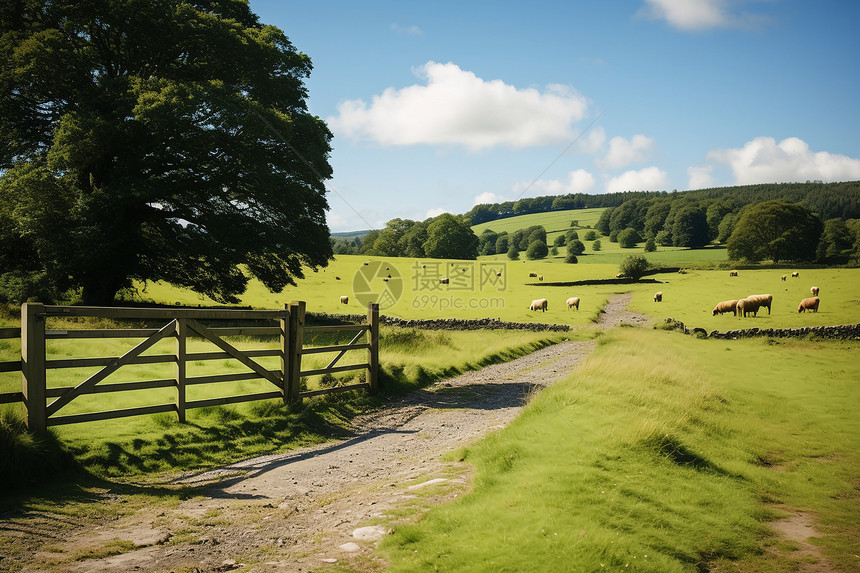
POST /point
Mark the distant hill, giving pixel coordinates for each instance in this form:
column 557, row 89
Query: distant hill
column 350, row 234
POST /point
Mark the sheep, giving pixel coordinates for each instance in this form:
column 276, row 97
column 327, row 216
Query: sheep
column 764, row 300
column 444, row 281
column 814, row 291
column 532, row 275
column 344, row 300
column 573, row 301
column 658, row 296
column 726, row 306
column 337, row 278
column 783, row 277
column 498, row 274
column 748, row 306
column 539, row 304
column 733, row 273
column 540, row 277
column 810, row 303
column 795, row 275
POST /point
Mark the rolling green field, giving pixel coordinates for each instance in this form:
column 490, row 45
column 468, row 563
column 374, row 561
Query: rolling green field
column 661, row 453
column 479, row 293
column 555, row 222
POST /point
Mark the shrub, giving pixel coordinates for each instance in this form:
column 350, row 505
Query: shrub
column 571, row 259
column 634, row 266
column 537, row 250
column 590, row 235
column 575, row 247
column 650, row 245
column 628, row 238
column 596, row 246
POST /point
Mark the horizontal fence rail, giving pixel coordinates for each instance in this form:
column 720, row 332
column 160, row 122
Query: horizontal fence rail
column 44, row 406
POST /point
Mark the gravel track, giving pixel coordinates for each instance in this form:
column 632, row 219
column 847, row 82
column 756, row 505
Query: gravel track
column 301, row 510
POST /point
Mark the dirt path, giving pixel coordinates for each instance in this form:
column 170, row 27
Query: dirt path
column 300, row 510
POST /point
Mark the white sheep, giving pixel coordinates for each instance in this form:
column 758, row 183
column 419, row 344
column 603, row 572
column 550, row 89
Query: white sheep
column 814, row 291
column 344, row 300
column 726, row 306
column 573, row 302
column 658, row 296
column 810, row 303
column 540, row 304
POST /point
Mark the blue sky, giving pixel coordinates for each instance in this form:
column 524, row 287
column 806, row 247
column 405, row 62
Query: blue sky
column 436, row 106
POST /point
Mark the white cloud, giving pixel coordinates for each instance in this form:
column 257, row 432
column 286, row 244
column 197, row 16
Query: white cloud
column 434, row 213
column 488, row 198
column 648, row 179
column 700, row 177
column 579, row 181
column 406, row 30
column 763, row 160
column 623, row 152
column 693, row 15
column 592, row 142
column 456, row 107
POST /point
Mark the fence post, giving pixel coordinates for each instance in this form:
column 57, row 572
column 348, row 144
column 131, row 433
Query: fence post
column 285, row 353
column 181, row 366
column 297, row 327
column 33, row 379
column 373, row 351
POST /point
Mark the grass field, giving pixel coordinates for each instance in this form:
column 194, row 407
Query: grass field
column 217, row 435
column 555, row 222
column 661, row 453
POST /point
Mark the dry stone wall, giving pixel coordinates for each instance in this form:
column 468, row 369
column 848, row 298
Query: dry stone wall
column 840, row 332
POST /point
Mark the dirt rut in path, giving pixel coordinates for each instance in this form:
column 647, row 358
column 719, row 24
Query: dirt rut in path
column 300, row 510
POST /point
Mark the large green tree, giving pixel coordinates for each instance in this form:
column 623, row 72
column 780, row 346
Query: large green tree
column 157, row 140
column 451, row 237
column 775, row 230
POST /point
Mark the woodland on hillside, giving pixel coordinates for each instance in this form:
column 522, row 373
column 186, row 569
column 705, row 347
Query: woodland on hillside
column 814, row 221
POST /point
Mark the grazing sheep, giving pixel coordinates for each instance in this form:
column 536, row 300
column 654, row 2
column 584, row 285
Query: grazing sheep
column 748, row 306
column 795, row 275
column 498, row 274
column 814, row 291
column 573, row 301
column 619, row 276
column 658, row 296
column 337, row 278
column 726, row 306
column 733, row 273
column 762, row 299
column 444, row 281
column 539, row 304
column 532, row 275
column 540, row 277
column 783, row 278
column 810, row 303
column 344, row 300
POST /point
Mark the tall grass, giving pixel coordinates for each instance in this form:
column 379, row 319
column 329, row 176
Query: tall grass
column 662, row 453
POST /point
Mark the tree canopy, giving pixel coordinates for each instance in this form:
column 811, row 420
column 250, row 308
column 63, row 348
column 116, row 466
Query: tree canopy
column 775, row 230
column 165, row 140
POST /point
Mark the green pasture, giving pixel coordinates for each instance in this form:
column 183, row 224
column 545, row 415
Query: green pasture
column 217, row 435
column 691, row 297
column 555, row 222
column 661, row 453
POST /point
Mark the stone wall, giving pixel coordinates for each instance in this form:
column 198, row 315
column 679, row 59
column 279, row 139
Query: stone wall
column 440, row 323
column 841, row 332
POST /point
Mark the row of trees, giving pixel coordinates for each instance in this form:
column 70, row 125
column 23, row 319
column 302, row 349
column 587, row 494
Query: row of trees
column 776, row 229
column 828, row 200
column 444, row 237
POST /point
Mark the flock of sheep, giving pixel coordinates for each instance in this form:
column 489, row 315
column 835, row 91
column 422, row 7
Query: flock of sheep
column 742, row 307
column 752, row 303
column 542, row 304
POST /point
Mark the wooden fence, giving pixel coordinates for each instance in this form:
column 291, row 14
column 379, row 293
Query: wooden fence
column 42, row 404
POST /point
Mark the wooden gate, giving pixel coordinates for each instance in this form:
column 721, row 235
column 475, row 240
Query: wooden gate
column 43, row 404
